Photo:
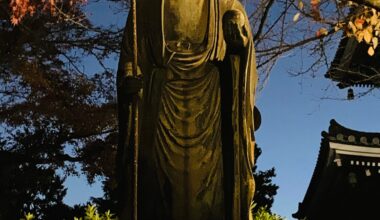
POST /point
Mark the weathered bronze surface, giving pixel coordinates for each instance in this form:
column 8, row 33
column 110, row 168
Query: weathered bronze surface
column 196, row 137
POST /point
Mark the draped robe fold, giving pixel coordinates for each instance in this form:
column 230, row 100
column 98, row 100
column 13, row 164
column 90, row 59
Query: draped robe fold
column 196, row 135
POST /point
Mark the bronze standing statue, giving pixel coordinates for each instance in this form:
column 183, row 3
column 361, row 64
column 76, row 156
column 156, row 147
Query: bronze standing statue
column 197, row 70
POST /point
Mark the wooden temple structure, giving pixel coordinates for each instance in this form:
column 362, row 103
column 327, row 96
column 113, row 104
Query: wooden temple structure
column 352, row 66
column 345, row 184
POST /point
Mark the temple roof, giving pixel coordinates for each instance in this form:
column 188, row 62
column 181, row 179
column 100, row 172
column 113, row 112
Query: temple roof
column 344, row 154
column 352, row 66
column 340, row 134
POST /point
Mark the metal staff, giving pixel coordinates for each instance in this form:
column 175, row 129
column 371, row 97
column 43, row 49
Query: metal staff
column 135, row 117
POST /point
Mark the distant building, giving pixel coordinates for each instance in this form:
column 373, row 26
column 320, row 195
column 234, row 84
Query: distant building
column 346, row 181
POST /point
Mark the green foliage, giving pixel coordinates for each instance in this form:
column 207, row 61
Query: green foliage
column 28, row 216
column 91, row 213
column 25, row 184
column 262, row 213
column 265, row 189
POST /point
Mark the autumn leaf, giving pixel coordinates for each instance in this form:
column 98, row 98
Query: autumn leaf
column 338, row 26
column 374, row 20
column 375, row 42
column 315, row 12
column 359, row 36
column 322, row 32
column 15, row 20
column 22, row 8
column 352, row 26
column 359, row 23
column 300, row 5
column 367, row 34
column 371, row 51
column 314, row 2
column 296, row 17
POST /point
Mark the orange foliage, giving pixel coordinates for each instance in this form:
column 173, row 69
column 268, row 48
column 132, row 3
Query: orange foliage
column 22, row 8
column 315, row 11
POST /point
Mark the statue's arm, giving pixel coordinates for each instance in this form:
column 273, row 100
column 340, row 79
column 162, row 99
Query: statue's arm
column 239, row 39
column 235, row 30
column 125, row 49
column 127, row 84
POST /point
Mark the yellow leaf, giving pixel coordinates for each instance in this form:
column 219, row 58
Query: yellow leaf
column 375, row 42
column 296, row 17
column 374, row 20
column 377, row 27
column 367, row 36
column 300, row 5
column 323, row 31
column 352, row 26
column 371, row 51
column 359, row 36
column 369, row 29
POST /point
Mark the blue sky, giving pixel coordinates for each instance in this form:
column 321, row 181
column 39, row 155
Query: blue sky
column 294, row 113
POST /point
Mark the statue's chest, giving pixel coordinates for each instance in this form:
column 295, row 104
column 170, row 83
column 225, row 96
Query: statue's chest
column 186, row 20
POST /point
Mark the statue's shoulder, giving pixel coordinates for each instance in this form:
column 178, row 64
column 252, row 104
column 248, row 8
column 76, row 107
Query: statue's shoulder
column 236, row 5
column 230, row 3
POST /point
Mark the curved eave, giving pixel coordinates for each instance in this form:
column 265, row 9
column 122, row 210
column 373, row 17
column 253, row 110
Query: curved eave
column 322, row 163
column 340, row 134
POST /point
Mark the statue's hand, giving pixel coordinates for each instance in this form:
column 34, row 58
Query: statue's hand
column 129, row 70
column 132, row 83
column 235, row 32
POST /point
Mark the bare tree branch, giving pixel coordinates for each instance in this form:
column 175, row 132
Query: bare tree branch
column 263, row 19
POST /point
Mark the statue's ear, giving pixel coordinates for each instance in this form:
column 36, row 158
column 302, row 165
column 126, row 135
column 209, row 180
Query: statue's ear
column 256, row 118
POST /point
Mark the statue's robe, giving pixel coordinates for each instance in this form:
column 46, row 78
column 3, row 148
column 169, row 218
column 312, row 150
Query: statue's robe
column 197, row 132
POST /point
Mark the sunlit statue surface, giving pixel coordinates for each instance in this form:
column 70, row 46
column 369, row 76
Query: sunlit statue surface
column 197, row 141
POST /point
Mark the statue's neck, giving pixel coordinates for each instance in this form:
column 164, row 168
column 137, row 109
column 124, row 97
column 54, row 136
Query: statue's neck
column 186, row 20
